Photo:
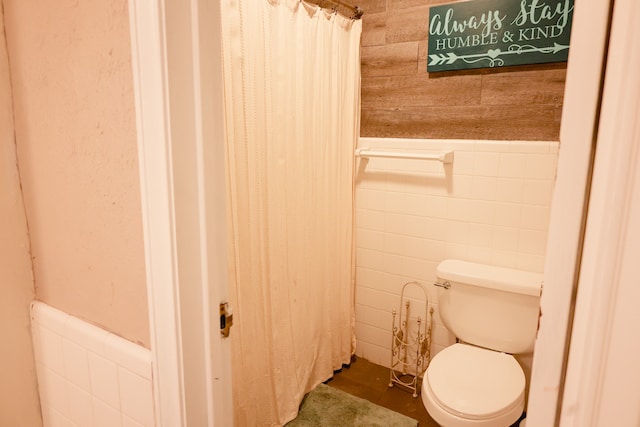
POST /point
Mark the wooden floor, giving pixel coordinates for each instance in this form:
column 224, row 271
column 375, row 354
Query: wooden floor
column 370, row 381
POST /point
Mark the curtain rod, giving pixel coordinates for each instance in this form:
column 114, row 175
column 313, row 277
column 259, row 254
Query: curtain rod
column 357, row 12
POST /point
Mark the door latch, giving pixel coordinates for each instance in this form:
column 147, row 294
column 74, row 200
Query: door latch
column 226, row 319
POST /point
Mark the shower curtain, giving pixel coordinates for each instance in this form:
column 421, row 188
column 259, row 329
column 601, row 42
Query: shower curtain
column 292, row 101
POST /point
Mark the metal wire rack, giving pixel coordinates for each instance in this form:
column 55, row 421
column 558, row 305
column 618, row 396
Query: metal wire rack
column 410, row 343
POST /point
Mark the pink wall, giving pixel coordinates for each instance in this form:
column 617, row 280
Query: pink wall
column 19, row 403
column 75, row 130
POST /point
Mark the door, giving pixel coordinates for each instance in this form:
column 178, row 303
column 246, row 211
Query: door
column 584, row 372
column 176, row 54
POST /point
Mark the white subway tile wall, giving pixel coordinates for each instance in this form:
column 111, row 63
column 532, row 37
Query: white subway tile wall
column 490, row 206
column 88, row 377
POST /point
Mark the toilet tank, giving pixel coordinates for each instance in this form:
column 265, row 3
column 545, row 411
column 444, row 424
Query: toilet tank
column 488, row 306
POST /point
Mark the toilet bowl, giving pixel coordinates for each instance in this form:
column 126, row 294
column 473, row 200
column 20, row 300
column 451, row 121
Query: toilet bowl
column 472, row 386
column 493, row 313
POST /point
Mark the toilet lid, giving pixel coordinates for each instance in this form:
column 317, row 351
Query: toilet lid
column 474, row 382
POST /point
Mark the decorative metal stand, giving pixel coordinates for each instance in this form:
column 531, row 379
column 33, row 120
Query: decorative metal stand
column 410, row 346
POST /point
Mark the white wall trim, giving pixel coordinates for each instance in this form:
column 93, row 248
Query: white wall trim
column 149, row 74
column 579, row 120
column 183, row 205
column 603, row 289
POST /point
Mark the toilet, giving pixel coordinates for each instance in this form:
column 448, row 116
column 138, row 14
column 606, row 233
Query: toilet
column 493, row 312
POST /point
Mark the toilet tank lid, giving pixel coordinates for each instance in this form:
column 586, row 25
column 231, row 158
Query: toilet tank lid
column 493, row 277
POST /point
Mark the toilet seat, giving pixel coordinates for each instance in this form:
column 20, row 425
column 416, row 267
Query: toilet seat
column 474, row 383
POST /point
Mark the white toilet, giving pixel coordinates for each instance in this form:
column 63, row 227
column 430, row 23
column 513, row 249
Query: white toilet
column 493, row 312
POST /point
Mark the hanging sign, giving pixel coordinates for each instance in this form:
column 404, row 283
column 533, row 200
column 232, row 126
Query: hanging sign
column 498, row 33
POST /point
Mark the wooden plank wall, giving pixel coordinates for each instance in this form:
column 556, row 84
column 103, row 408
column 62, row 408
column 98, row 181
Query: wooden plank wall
column 400, row 99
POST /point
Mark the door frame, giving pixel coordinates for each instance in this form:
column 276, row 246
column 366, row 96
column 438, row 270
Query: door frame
column 602, row 380
column 179, row 130
column 584, row 354
column 580, row 118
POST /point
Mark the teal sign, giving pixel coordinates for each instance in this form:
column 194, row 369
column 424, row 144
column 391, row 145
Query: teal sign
column 498, row 33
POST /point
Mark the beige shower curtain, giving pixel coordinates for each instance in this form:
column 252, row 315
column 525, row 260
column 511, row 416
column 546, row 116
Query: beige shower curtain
column 292, row 100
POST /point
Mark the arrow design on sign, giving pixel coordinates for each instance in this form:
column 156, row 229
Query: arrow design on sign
column 493, row 55
column 441, row 58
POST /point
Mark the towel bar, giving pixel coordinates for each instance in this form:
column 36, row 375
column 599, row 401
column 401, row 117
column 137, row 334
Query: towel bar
column 444, row 156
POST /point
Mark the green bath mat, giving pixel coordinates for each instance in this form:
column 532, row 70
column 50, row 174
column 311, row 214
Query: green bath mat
column 326, row 406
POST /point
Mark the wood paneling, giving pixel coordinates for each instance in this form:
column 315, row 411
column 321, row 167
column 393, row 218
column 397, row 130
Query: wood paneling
column 371, row 6
column 418, row 90
column 542, row 87
column 411, row 24
column 501, row 122
column 400, row 99
column 397, row 59
column 374, row 29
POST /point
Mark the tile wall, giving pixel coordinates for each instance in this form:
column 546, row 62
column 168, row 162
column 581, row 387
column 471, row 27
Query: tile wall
column 490, row 206
column 88, row 377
